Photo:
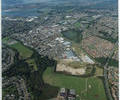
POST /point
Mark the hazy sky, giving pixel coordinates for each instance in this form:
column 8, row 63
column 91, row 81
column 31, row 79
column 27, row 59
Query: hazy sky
column 13, row 2
column 29, row 1
column 23, row 1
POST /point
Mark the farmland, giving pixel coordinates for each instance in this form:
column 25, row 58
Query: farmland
column 90, row 88
column 24, row 52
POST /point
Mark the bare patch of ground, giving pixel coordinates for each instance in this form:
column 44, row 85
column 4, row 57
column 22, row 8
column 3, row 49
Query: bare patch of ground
column 70, row 67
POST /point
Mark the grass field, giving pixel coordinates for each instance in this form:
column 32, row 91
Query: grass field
column 87, row 88
column 73, row 35
column 99, row 71
column 76, row 64
column 24, row 51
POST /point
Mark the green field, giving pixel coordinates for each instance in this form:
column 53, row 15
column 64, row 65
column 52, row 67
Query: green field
column 74, row 35
column 7, row 40
column 87, row 88
column 24, row 51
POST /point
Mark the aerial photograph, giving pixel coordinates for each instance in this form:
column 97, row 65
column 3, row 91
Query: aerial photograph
column 60, row 50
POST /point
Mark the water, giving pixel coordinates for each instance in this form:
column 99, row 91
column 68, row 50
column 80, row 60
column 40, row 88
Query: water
column 21, row 12
column 13, row 7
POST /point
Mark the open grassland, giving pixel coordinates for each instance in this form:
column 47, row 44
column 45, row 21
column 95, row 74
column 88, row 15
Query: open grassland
column 73, row 35
column 90, row 88
column 8, row 41
column 76, row 64
column 99, row 71
column 24, row 51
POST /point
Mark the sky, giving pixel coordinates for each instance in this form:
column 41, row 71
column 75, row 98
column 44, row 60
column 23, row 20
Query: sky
column 35, row 1
column 14, row 2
